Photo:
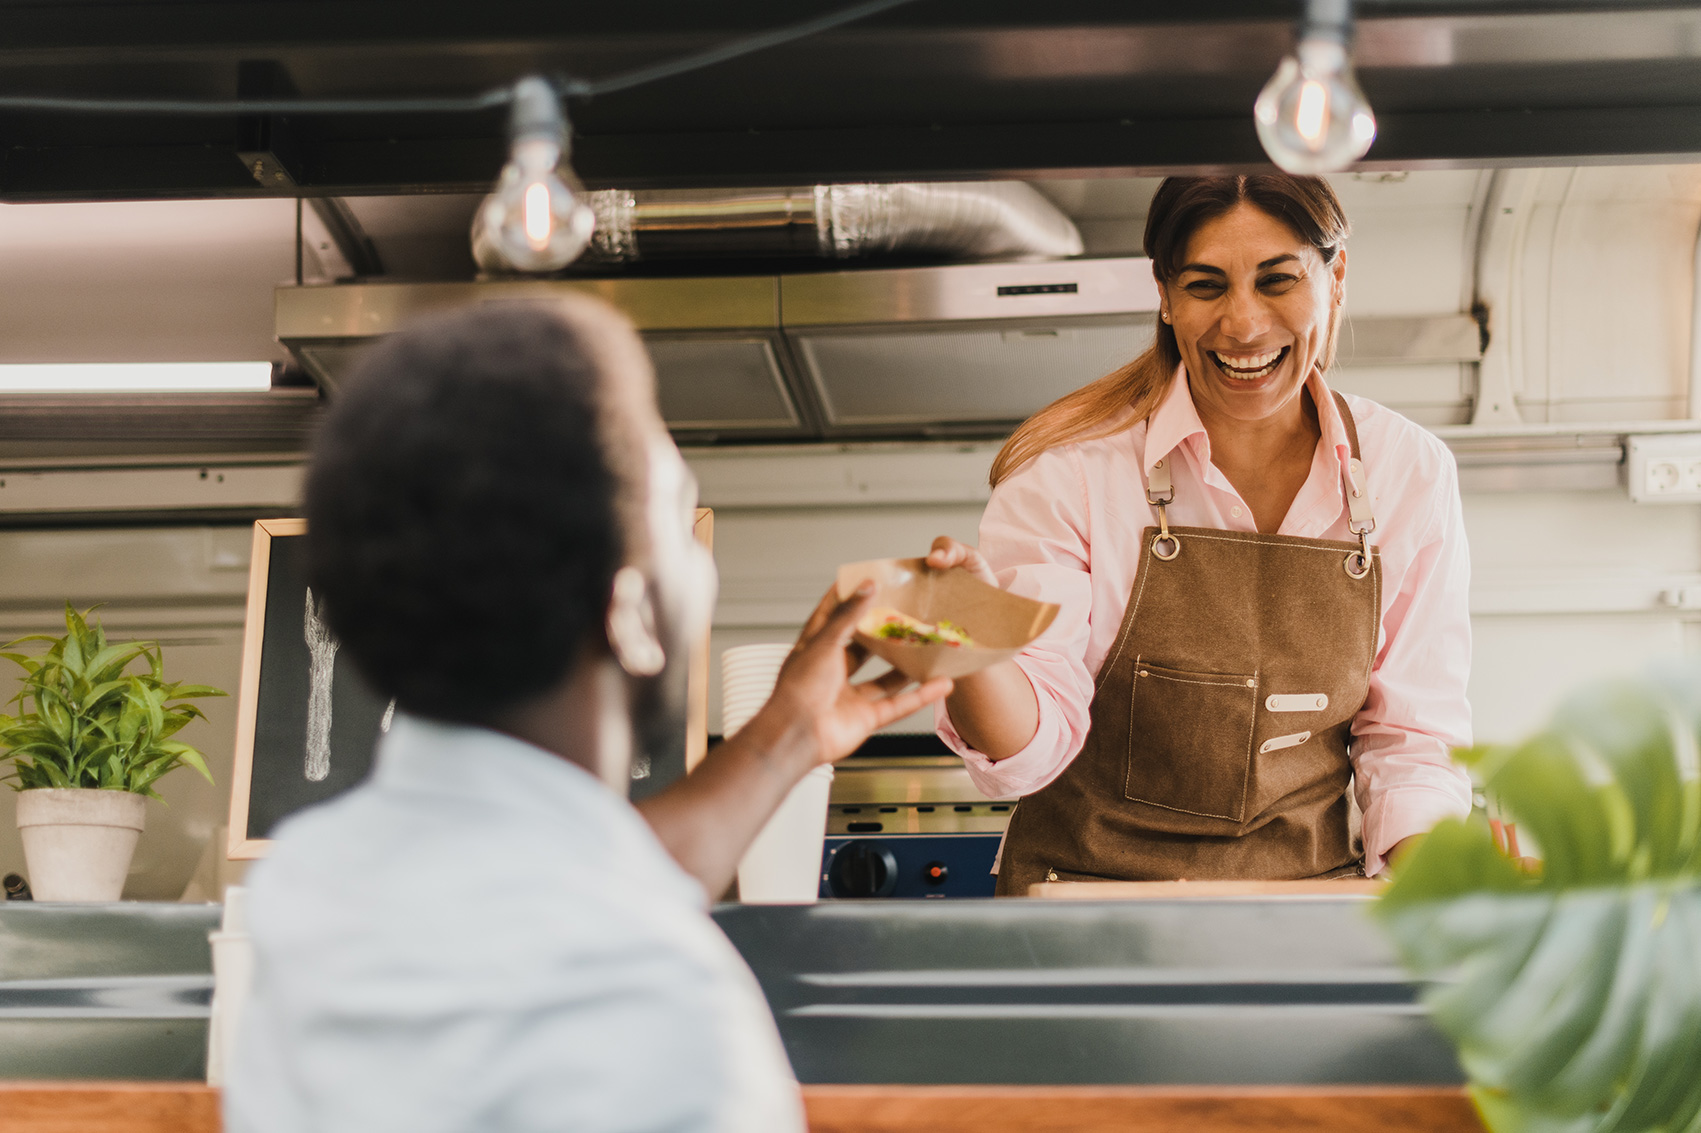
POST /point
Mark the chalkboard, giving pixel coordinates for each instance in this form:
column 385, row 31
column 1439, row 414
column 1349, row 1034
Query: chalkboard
column 307, row 724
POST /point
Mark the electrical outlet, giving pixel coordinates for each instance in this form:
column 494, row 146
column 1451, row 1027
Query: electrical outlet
column 1664, row 468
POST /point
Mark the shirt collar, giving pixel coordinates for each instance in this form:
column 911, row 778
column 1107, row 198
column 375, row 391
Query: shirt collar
column 467, row 761
column 1176, row 420
column 505, row 777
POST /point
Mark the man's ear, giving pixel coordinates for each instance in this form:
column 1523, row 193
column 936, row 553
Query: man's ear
column 632, row 625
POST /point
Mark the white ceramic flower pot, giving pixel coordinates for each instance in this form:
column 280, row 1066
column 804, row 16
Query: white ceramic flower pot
column 78, row 842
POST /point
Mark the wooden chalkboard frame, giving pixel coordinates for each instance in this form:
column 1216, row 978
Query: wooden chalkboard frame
column 243, row 848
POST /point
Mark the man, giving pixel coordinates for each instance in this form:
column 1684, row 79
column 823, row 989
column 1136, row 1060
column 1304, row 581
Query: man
column 486, row 935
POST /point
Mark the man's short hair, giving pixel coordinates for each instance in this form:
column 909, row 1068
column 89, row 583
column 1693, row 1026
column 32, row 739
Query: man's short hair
column 471, row 495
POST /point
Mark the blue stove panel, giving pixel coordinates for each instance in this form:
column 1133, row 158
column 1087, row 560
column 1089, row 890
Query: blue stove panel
column 909, row 865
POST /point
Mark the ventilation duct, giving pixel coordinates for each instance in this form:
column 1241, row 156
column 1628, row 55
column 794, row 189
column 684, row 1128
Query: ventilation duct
column 966, row 221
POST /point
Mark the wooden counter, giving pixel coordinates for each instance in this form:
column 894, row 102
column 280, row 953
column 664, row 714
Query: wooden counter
column 1202, row 890
column 186, row 1107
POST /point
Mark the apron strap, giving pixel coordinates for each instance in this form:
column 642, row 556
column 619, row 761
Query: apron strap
column 1361, row 517
column 1160, row 490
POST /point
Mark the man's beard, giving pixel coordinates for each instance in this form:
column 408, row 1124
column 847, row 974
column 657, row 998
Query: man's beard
column 660, row 711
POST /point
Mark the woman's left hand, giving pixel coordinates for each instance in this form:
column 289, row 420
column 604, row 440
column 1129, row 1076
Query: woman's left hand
column 1396, row 852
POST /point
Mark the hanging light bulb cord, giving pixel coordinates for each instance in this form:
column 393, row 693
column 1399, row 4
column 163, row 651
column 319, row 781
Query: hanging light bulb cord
column 488, row 100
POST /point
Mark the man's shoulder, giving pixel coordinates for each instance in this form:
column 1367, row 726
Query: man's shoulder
column 445, row 874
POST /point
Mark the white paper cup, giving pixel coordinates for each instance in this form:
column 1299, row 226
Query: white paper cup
column 748, row 673
column 233, row 978
column 734, row 719
column 783, row 865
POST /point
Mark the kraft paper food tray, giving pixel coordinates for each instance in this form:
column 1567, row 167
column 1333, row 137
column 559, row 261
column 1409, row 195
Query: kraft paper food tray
column 1000, row 624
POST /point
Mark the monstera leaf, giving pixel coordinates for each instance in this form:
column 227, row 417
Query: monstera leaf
column 1573, row 995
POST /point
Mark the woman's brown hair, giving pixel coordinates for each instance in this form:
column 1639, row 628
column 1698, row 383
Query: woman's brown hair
column 1305, row 204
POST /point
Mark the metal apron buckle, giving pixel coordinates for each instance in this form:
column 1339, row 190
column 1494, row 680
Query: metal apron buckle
column 1164, row 493
column 1357, row 564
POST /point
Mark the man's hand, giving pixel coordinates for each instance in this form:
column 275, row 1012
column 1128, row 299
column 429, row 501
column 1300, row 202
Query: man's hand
column 815, row 711
column 709, row 818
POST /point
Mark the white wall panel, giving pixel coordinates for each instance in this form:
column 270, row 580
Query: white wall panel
column 1569, row 589
column 1524, row 666
column 1410, row 247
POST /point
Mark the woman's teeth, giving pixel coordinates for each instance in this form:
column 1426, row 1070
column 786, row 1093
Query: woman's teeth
column 1248, row 367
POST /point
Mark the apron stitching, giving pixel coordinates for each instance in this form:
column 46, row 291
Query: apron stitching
column 1251, row 735
column 1184, row 810
column 1343, row 545
column 1128, row 778
column 1233, row 682
column 1375, row 623
column 1127, row 763
column 1127, row 617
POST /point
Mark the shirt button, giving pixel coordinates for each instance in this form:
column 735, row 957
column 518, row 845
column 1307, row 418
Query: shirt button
column 1235, row 511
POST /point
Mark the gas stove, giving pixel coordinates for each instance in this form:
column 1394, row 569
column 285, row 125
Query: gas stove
column 909, row 825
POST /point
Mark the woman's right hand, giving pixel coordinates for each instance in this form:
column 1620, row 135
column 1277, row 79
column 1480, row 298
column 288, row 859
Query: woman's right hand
column 948, row 553
column 996, row 709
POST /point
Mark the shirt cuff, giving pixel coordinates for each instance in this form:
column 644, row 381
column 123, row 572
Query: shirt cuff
column 1013, row 776
column 1402, row 812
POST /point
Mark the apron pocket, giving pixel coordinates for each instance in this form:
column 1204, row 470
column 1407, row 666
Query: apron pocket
column 1190, row 745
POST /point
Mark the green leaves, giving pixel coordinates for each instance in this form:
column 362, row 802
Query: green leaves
column 85, row 721
column 1574, row 997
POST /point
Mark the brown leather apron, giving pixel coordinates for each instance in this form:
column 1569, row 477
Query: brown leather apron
column 1221, row 718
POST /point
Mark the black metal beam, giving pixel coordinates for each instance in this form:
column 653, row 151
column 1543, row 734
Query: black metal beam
column 937, row 89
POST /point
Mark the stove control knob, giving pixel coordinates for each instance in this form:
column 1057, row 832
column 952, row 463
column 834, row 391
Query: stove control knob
column 863, row 868
column 935, row 873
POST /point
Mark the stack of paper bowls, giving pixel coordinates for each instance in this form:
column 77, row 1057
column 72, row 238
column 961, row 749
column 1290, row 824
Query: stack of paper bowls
column 748, row 673
column 783, row 865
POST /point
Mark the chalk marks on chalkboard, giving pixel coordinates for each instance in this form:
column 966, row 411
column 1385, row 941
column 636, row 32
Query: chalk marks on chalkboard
column 322, row 662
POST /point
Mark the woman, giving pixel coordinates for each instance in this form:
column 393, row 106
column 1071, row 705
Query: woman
column 1262, row 583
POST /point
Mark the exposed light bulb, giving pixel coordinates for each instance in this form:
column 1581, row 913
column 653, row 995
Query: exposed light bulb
column 533, row 221
column 539, row 224
column 1311, row 116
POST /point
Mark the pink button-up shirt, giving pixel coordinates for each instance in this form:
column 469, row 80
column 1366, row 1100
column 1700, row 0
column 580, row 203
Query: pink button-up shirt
column 1066, row 527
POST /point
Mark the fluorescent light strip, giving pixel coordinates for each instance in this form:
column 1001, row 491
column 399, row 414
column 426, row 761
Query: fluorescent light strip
column 134, row 377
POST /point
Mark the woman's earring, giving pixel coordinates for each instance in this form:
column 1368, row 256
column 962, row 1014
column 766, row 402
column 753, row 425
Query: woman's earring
column 1164, row 315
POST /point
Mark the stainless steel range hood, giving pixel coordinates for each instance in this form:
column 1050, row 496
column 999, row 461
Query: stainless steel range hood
column 905, row 352
column 716, row 342
column 909, row 351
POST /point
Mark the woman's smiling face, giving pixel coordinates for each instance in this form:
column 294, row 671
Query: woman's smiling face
column 1251, row 308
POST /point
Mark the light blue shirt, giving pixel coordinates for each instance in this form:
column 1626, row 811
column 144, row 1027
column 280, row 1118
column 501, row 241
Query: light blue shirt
column 484, row 937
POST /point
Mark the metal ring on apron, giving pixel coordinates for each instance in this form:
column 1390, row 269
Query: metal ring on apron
column 1174, row 546
column 1357, row 559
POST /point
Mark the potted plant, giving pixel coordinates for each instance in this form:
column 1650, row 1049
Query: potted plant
column 1573, row 993
column 88, row 743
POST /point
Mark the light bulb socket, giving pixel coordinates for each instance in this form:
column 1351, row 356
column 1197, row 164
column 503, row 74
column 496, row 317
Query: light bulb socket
column 537, row 113
column 1327, row 20
column 1321, row 55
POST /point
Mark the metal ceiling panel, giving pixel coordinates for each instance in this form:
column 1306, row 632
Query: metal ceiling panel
column 994, row 89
